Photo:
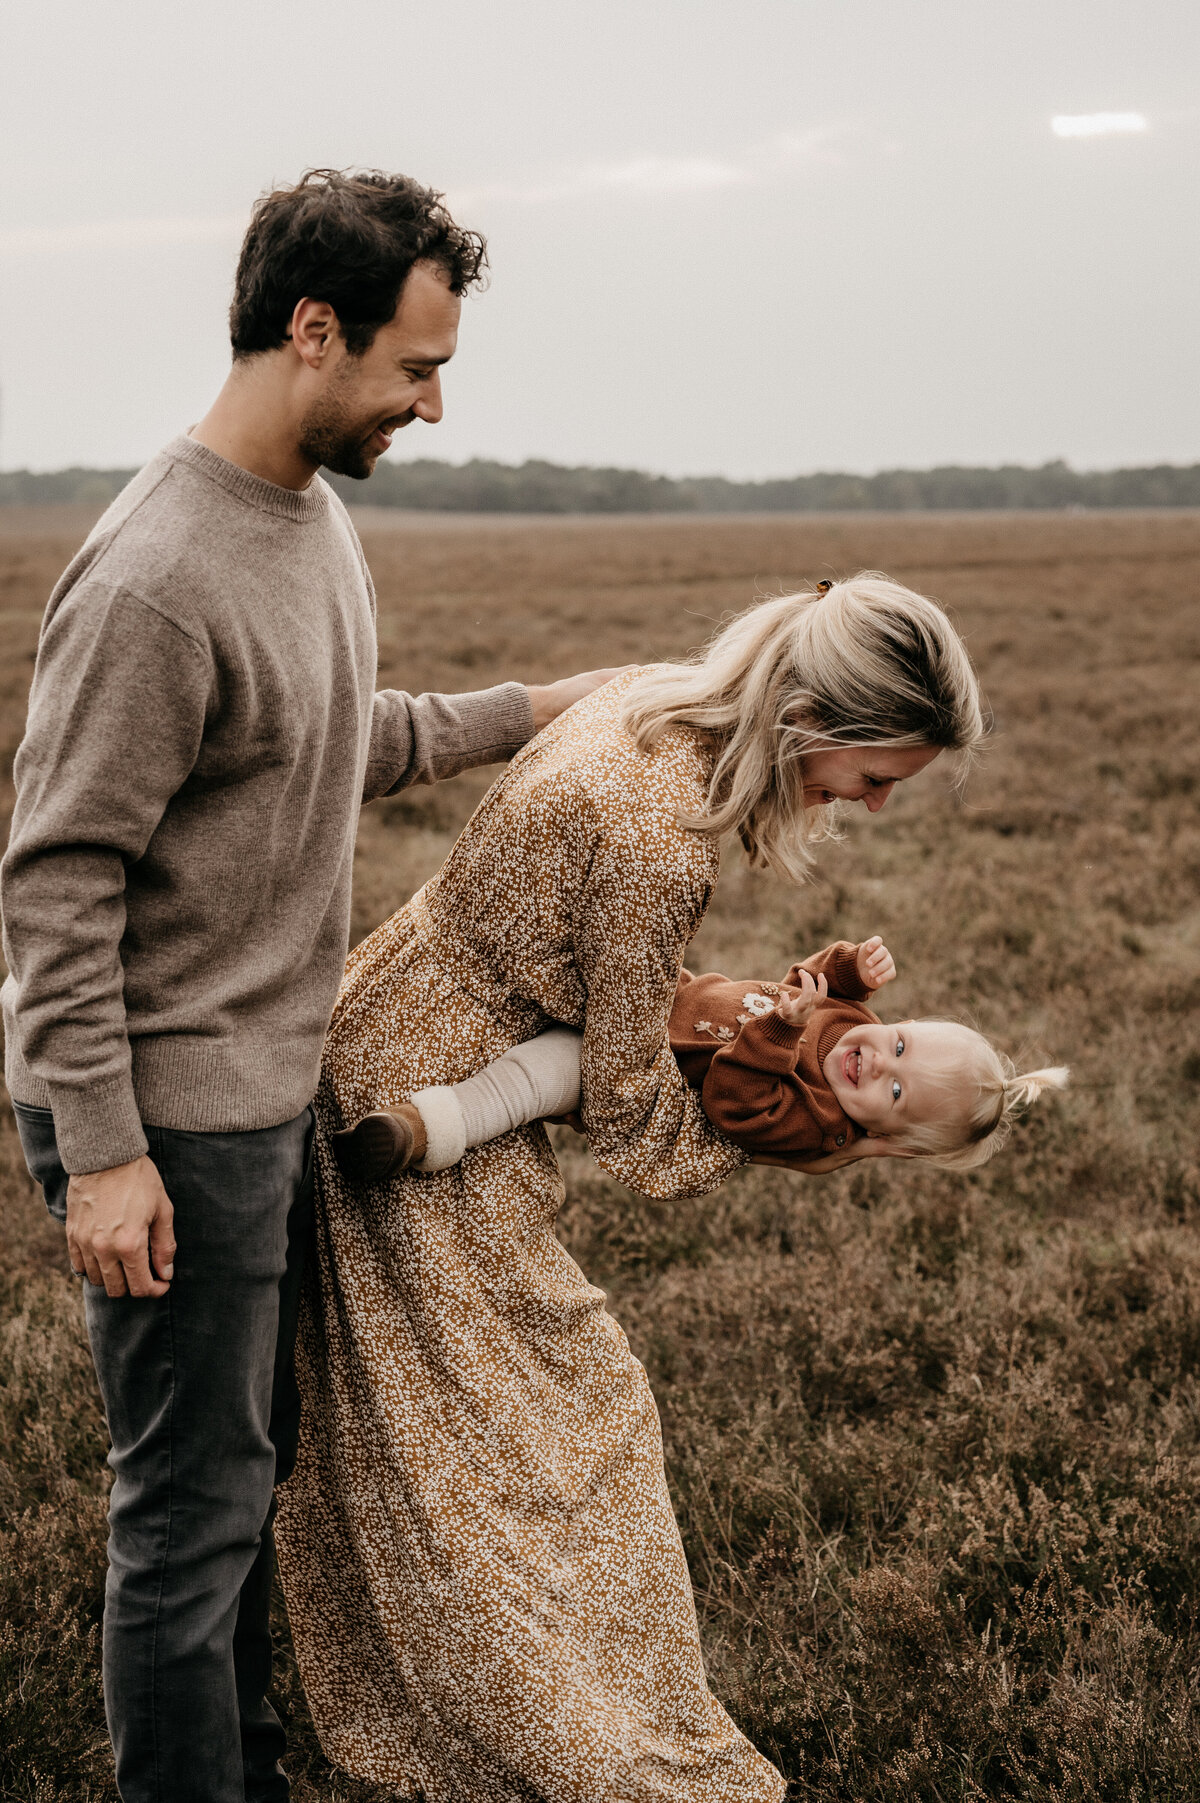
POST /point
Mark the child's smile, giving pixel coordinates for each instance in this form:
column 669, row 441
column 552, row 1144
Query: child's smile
column 888, row 1078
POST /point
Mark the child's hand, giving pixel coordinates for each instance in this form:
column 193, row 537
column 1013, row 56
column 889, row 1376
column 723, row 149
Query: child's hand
column 876, row 966
column 795, row 1009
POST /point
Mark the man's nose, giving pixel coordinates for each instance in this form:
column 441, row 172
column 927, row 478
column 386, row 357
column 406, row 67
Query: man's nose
column 874, row 799
column 429, row 406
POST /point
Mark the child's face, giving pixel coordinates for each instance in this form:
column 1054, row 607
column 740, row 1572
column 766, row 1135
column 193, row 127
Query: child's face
column 886, row 1077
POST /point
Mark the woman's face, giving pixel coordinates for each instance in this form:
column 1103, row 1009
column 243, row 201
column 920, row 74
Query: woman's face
column 866, row 773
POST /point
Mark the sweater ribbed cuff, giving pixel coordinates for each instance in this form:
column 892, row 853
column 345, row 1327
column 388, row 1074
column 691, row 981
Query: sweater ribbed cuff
column 846, row 976
column 96, row 1127
column 780, row 1032
column 495, row 722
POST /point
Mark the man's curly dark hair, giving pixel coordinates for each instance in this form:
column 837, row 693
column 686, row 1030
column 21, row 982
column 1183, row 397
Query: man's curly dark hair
column 348, row 237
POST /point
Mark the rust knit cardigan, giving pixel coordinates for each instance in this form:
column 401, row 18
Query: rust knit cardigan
column 761, row 1080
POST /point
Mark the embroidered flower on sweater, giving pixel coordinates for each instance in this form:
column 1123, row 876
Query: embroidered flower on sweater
column 706, row 1026
column 757, row 1004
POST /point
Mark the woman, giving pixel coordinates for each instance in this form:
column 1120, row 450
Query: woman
column 485, row 1581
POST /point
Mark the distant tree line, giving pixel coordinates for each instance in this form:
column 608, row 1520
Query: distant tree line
column 535, row 487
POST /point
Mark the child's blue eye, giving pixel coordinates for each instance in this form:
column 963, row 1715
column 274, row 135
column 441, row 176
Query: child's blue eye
column 899, row 1048
column 895, row 1092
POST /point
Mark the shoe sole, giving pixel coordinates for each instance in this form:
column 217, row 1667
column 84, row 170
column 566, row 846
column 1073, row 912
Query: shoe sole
column 373, row 1150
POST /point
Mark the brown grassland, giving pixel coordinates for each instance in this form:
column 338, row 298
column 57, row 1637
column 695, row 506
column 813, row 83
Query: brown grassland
column 934, row 1440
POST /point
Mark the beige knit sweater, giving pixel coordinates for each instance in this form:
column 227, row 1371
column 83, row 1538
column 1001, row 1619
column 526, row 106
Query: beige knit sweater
column 203, row 725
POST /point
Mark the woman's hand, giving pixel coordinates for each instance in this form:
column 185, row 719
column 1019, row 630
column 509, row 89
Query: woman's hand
column 875, row 963
column 796, row 1009
column 833, row 1161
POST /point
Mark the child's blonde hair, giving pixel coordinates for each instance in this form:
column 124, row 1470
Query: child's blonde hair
column 963, row 1138
column 866, row 663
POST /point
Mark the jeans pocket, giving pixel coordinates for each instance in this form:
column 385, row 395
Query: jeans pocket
column 38, row 1142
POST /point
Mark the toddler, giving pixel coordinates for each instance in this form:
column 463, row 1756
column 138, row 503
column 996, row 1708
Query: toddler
column 793, row 1072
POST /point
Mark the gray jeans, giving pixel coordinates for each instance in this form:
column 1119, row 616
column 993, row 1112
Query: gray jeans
column 203, row 1414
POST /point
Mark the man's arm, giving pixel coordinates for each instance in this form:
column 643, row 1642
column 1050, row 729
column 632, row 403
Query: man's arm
column 425, row 738
column 116, row 717
column 116, row 714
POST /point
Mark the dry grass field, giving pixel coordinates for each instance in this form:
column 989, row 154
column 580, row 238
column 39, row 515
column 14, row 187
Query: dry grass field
column 934, row 1440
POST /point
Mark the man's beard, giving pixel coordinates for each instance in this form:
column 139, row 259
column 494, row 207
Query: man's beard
column 334, row 440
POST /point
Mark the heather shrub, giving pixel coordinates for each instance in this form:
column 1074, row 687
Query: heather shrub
column 934, row 1441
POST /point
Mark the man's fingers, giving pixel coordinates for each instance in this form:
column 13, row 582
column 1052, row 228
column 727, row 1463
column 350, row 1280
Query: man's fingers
column 74, row 1253
column 136, row 1275
column 112, row 1272
column 162, row 1243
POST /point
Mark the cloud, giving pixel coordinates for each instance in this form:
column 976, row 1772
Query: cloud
column 648, row 176
column 119, row 234
column 1097, row 125
column 653, row 176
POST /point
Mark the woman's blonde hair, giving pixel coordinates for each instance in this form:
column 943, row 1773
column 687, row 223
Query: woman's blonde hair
column 868, row 662
column 990, row 1094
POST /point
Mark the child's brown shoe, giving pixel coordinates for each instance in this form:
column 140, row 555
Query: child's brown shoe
column 381, row 1145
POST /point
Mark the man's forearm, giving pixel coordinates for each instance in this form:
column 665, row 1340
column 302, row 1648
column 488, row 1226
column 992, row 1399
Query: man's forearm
column 426, row 738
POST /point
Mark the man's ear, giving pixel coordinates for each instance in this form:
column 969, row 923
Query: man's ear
column 314, row 331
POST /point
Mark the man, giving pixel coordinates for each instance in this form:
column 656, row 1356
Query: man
column 203, row 726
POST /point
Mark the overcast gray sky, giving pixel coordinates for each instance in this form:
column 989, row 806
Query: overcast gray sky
column 753, row 237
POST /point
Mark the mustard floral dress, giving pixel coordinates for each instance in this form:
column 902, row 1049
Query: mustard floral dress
column 484, row 1577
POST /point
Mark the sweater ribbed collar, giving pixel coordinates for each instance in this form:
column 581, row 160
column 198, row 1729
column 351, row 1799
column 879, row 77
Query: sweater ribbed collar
column 310, row 503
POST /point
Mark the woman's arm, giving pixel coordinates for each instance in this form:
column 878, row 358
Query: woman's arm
column 645, row 895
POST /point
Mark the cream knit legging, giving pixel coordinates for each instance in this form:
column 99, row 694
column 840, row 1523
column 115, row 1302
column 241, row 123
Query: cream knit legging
column 540, row 1077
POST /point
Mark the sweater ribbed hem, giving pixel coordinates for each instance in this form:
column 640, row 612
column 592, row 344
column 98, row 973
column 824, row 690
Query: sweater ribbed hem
column 310, row 503
column 188, row 1083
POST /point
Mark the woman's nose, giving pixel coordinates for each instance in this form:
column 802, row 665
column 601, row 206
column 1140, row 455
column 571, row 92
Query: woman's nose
column 874, row 799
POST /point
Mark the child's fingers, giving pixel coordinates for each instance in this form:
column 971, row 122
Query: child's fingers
column 880, row 966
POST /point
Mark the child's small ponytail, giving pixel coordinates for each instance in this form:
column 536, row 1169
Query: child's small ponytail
column 1023, row 1091
column 995, row 1093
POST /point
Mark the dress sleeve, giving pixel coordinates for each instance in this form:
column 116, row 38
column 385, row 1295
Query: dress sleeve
column 838, row 964
column 643, row 899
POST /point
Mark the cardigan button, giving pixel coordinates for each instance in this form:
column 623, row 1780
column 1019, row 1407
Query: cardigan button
column 840, row 1140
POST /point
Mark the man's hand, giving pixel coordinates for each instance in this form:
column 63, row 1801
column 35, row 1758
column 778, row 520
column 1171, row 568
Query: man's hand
column 117, row 1222
column 876, row 966
column 551, row 699
column 795, row 1009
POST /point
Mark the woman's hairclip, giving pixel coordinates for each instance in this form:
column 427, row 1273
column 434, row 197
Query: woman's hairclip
column 823, row 588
